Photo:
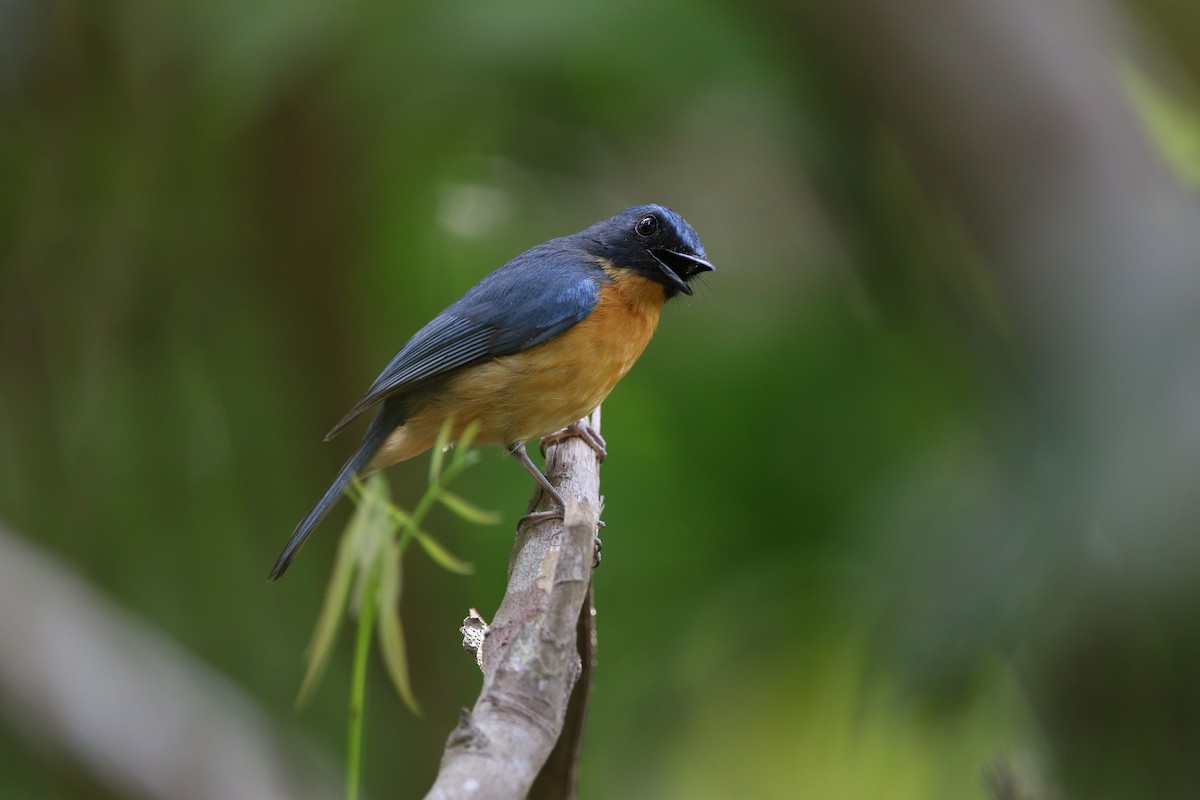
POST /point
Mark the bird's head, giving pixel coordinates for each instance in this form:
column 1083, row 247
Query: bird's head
column 655, row 242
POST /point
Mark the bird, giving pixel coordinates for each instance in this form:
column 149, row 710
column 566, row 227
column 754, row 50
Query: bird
column 528, row 351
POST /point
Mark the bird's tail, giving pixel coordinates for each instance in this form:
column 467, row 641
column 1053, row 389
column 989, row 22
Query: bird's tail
column 377, row 433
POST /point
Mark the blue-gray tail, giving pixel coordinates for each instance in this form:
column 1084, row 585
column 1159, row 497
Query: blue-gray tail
column 380, row 428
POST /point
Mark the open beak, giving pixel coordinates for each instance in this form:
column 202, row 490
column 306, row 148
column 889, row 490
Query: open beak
column 680, row 267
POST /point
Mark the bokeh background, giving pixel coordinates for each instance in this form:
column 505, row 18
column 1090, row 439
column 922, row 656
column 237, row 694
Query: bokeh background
column 902, row 504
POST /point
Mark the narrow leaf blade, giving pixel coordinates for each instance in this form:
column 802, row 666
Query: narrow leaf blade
column 441, row 556
column 467, row 510
column 468, row 436
column 439, row 450
column 332, row 608
column 390, row 630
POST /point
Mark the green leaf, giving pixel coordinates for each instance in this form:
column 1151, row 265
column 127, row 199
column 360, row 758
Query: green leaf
column 462, row 459
column 330, row 618
column 462, row 456
column 368, row 529
column 391, row 632
column 367, row 571
column 467, row 510
column 443, row 557
column 377, row 510
column 439, row 450
column 356, row 713
column 468, row 436
column 399, row 516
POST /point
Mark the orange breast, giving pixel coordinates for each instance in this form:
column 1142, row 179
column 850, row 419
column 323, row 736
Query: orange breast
column 527, row 395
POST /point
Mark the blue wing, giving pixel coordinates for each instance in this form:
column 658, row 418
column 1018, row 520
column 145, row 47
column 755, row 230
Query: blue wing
column 529, row 300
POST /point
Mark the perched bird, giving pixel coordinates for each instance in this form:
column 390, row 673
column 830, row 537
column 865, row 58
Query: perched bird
column 530, row 349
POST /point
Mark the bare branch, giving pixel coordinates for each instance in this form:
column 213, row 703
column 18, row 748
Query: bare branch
column 143, row 715
column 531, row 659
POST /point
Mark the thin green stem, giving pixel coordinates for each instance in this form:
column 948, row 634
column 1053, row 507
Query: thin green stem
column 417, row 516
column 409, row 526
column 358, row 687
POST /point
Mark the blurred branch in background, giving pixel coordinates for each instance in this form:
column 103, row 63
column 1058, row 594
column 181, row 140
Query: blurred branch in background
column 1076, row 538
column 147, row 719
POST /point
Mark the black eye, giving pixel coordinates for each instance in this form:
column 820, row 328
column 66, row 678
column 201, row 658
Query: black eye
column 647, row 226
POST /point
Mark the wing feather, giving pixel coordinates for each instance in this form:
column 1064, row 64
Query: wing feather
column 529, row 300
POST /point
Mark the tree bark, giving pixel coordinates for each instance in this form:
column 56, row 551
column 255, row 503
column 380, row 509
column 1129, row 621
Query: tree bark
column 531, row 654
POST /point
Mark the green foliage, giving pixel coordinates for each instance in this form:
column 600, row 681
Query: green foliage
column 367, row 576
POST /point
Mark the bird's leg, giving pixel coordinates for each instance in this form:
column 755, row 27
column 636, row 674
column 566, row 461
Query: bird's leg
column 591, row 435
column 584, row 431
column 517, row 449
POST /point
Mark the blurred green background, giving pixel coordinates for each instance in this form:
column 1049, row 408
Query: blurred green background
column 219, row 220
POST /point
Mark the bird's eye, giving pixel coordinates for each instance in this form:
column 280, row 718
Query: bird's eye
column 647, row 226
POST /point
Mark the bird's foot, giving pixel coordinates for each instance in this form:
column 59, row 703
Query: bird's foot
column 538, row 516
column 554, row 513
column 584, row 431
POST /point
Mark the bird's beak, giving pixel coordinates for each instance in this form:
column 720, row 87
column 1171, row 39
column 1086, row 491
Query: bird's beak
column 680, row 267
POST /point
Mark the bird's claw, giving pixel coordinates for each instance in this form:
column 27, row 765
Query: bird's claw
column 538, row 516
column 582, row 430
column 551, row 513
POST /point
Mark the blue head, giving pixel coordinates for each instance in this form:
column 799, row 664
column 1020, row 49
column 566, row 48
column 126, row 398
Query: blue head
column 655, row 242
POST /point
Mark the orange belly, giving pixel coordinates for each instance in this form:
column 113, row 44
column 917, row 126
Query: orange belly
column 529, row 394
